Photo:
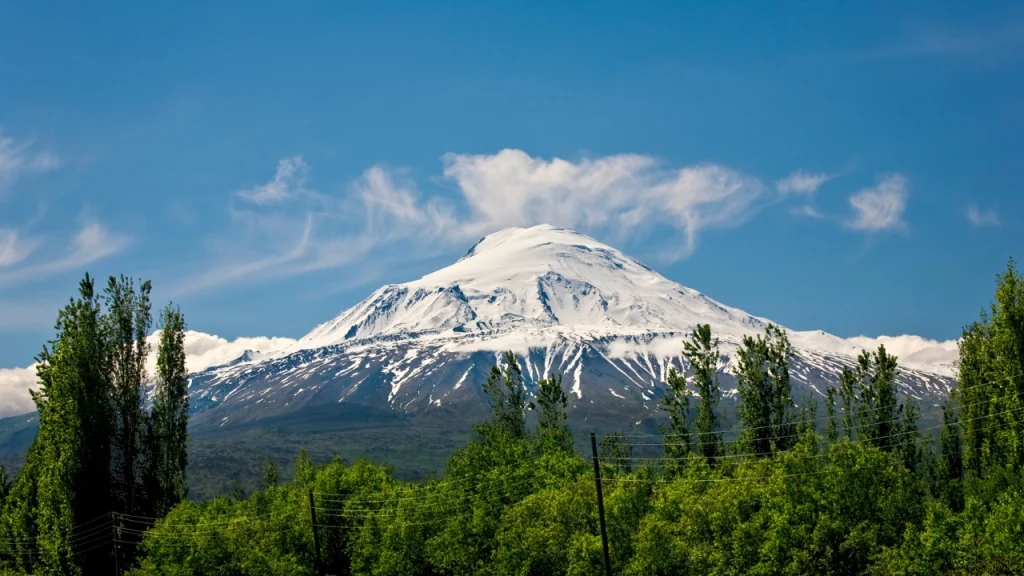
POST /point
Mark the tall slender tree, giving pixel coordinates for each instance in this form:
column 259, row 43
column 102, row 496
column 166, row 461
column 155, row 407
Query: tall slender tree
column 990, row 390
column 767, row 412
column 168, row 458
column 552, row 414
column 66, row 478
column 128, row 321
column 878, row 414
column 848, row 395
column 781, row 408
column 832, row 424
column 701, row 352
column 676, row 403
column 504, row 387
column 753, row 383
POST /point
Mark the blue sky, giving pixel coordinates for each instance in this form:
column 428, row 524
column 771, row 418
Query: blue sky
column 854, row 167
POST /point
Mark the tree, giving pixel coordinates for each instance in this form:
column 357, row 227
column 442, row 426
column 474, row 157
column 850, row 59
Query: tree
column 848, row 395
column 551, row 407
column 66, row 481
column 616, row 450
column 951, row 463
column 990, row 387
column 504, row 388
column 676, row 402
column 753, row 384
column 766, row 398
column 832, row 425
column 877, row 410
column 127, row 322
column 782, row 419
column 169, row 421
column 701, row 352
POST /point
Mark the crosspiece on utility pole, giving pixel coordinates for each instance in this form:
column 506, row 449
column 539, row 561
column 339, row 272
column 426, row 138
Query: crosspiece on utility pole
column 600, row 505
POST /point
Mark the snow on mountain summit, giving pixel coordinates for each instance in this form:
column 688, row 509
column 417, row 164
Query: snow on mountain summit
column 533, row 277
column 531, row 285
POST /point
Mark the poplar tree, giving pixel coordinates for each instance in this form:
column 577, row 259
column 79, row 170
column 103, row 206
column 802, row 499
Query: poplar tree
column 766, row 398
column 552, row 413
column 990, row 388
column 66, row 479
column 780, row 396
column 676, row 403
column 753, row 384
column 128, row 321
column 701, row 351
column 504, row 387
column 169, row 422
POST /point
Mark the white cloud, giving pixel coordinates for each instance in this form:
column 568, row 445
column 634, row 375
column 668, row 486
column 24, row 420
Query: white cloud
column 808, row 211
column 880, row 207
column 14, row 249
column 14, row 386
column 201, row 351
column 205, row 350
column 942, row 41
column 915, row 351
column 982, row 218
column 616, row 194
column 303, row 230
column 17, row 158
column 288, row 181
column 801, row 182
column 284, row 228
column 92, row 242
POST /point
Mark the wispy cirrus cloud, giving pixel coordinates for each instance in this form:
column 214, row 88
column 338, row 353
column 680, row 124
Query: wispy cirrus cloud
column 807, row 211
column 925, row 40
column 19, row 158
column 288, row 181
column 286, row 227
column 802, row 182
column 982, row 218
column 880, row 207
column 619, row 195
column 93, row 241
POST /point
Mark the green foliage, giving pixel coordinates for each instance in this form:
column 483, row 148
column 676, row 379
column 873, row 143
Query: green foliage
column 552, row 414
column 701, row 353
column 91, row 455
column 676, row 403
column 866, row 498
column 507, row 395
column 991, row 390
column 766, row 410
column 167, row 445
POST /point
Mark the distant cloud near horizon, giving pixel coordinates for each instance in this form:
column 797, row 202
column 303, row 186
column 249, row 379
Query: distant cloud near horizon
column 982, row 218
column 202, row 351
column 880, row 207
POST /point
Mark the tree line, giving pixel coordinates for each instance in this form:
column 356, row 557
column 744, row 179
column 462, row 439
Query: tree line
column 851, row 486
column 103, row 446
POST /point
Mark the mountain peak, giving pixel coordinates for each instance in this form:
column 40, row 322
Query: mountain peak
column 542, row 276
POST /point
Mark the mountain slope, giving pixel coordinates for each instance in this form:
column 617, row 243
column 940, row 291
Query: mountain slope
column 562, row 301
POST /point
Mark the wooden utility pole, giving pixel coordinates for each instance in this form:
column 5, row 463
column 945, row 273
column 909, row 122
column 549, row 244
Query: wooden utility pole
column 600, row 506
column 316, row 536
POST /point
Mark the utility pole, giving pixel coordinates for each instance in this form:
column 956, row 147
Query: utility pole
column 600, row 506
column 316, row 535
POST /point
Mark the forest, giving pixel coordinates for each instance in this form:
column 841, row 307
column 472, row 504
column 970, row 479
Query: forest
column 846, row 483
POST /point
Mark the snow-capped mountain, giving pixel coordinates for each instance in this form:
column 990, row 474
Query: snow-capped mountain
column 564, row 302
